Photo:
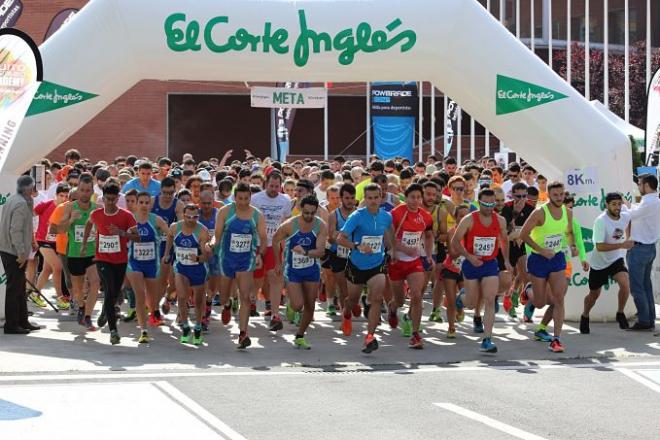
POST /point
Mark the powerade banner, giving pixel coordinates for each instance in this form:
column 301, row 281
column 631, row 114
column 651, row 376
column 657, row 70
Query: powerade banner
column 394, row 109
column 653, row 116
column 10, row 12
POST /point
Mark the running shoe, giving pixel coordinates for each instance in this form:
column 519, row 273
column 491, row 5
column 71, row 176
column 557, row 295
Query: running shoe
column 529, row 312
column 276, row 323
column 81, row 315
column 144, row 338
column 365, row 307
column 370, row 343
column 253, row 310
column 268, row 314
column 296, row 318
column 512, row 313
column 114, row 337
column 542, row 335
column 205, row 324
column 556, row 346
column 524, row 295
column 331, row 311
column 244, row 341
column 416, row 342
column 346, row 325
column 497, row 304
column 323, row 297
column 88, row 324
column 290, row 313
column 63, row 303
column 623, row 321
column 507, row 304
column 37, row 300
column 451, row 334
column 301, row 344
column 131, row 314
column 102, row 320
column 153, row 321
column 185, row 335
column 207, row 310
column 234, row 305
column 357, row 310
column 459, row 299
column 197, row 336
column 165, row 308
column 584, row 325
column 515, row 298
column 436, row 315
column 460, row 315
column 406, row 326
column 487, row 346
column 226, row 315
column 393, row 319
column 216, row 300
column 478, row 324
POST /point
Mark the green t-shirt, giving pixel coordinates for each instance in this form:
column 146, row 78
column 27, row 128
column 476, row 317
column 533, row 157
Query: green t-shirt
column 76, row 231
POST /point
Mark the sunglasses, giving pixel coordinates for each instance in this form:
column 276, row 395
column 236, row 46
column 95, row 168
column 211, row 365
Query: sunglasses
column 487, row 205
column 520, row 196
column 458, row 188
column 192, row 217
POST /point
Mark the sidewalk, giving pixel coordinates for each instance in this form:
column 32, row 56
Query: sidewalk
column 64, row 346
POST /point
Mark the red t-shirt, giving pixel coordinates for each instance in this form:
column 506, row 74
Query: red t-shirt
column 483, row 241
column 112, row 248
column 44, row 211
column 409, row 227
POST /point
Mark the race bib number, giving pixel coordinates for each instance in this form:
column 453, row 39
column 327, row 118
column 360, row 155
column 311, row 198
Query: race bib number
column 375, row 242
column 144, row 251
column 79, row 231
column 271, row 228
column 240, row 243
column 343, row 252
column 458, row 261
column 553, row 242
column 109, row 244
column 411, row 239
column 300, row 261
column 484, row 246
column 186, row 256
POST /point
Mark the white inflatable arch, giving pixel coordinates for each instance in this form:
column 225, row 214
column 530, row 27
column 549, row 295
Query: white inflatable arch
column 456, row 44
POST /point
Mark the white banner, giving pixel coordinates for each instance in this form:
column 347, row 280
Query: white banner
column 282, row 97
column 653, row 116
column 582, row 180
column 11, row 119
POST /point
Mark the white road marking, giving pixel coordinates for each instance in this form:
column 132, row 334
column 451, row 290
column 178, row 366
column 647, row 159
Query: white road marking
column 500, row 426
column 197, row 409
column 128, row 375
column 640, row 379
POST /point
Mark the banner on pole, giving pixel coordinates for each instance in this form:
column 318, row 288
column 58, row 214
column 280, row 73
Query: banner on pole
column 282, row 97
column 394, row 99
column 653, row 116
column 450, row 124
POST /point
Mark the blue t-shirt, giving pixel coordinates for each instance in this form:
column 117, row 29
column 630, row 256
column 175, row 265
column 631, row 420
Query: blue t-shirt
column 134, row 183
column 366, row 228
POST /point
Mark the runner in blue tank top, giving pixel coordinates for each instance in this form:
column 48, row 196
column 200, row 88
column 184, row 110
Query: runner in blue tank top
column 240, row 232
column 170, row 209
column 144, row 261
column 191, row 251
column 207, row 217
column 305, row 236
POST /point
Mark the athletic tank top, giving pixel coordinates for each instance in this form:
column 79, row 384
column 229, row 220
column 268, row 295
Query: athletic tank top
column 210, row 223
column 239, row 237
column 169, row 214
column 77, row 230
column 186, row 247
column 551, row 233
column 341, row 251
column 301, row 263
column 146, row 251
column 388, row 204
column 481, row 240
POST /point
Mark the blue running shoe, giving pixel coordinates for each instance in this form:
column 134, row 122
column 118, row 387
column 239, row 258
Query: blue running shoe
column 529, row 312
column 542, row 335
column 478, row 324
column 487, row 346
column 459, row 299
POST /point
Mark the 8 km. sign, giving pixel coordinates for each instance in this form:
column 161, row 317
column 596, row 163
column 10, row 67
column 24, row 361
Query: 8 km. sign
column 581, row 180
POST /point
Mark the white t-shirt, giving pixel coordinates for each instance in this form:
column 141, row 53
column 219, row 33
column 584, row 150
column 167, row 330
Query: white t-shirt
column 506, row 187
column 320, row 194
column 609, row 231
column 274, row 209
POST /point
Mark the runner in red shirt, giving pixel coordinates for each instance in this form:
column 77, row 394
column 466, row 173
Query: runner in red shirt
column 114, row 226
column 484, row 233
column 413, row 227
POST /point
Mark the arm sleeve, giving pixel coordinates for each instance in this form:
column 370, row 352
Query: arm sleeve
column 640, row 211
column 577, row 234
column 599, row 232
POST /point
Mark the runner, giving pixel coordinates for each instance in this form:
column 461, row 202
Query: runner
column 452, row 276
column 207, row 216
column 611, row 238
column 304, row 238
column 543, row 233
column 484, row 233
column 275, row 208
column 327, row 292
column 414, row 232
column 115, row 226
column 80, row 261
column 143, row 264
column 436, row 206
column 367, row 233
column 190, row 241
column 339, row 254
column 238, row 227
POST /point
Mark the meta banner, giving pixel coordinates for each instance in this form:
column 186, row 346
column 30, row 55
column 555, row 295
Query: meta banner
column 394, row 99
column 283, row 97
